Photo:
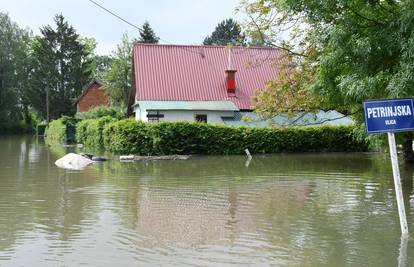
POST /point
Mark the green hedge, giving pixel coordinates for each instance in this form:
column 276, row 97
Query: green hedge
column 101, row 111
column 61, row 131
column 89, row 132
column 130, row 136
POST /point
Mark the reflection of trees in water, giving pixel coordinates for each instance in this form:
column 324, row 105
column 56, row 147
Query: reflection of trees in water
column 297, row 205
column 37, row 197
column 407, row 182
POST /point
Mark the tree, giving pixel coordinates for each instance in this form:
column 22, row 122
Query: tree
column 62, row 66
column 286, row 94
column 147, row 35
column 364, row 49
column 226, row 32
column 118, row 78
column 14, row 72
column 100, row 63
column 103, row 65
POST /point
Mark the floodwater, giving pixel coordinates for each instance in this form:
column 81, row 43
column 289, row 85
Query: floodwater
column 279, row 210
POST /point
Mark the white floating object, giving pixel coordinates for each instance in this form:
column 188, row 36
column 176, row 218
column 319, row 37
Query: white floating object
column 73, row 161
column 127, row 157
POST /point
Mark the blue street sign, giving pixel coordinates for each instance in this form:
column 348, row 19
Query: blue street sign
column 392, row 115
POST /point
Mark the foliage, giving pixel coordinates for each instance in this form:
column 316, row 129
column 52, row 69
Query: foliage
column 103, row 64
column 61, row 131
column 89, row 132
column 55, row 132
column 147, row 35
column 62, row 65
column 287, row 93
column 14, row 82
column 362, row 49
column 16, row 127
column 100, row 64
column 130, row 136
column 226, row 32
column 101, row 111
column 118, row 79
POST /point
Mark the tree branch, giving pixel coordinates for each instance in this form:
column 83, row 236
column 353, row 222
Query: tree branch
column 365, row 18
column 262, row 38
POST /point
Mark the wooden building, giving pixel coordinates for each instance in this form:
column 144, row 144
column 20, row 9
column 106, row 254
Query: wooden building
column 92, row 95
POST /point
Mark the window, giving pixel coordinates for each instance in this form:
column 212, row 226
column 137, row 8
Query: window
column 201, row 117
column 154, row 116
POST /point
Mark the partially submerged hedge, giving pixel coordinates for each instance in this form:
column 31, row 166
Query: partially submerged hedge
column 61, row 131
column 130, row 136
column 89, row 132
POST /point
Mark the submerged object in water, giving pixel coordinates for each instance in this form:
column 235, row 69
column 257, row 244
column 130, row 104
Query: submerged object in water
column 73, row 161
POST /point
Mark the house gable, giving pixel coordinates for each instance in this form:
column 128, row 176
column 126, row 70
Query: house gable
column 92, row 96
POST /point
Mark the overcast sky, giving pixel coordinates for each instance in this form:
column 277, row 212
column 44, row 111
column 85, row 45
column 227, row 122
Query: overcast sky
column 177, row 21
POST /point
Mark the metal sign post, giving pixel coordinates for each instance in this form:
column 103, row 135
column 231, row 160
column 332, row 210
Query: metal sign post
column 389, row 116
column 397, row 183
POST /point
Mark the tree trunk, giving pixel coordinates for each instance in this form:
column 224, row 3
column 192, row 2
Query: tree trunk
column 408, row 147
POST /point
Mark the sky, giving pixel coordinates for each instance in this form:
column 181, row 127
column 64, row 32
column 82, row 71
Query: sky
column 176, row 21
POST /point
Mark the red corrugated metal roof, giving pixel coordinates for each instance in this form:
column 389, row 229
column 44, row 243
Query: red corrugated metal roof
column 197, row 73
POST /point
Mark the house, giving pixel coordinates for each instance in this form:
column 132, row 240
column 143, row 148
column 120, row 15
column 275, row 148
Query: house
column 92, row 95
column 212, row 84
column 198, row 83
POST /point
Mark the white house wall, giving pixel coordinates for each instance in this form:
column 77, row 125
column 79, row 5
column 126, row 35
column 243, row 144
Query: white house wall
column 185, row 115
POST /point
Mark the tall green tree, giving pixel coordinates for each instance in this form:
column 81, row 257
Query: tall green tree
column 118, row 79
column 62, row 66
column 14, row 73
column 226, row 32
column 362, row 49
column 103, row 64
column 147, row 35
column 100, row 63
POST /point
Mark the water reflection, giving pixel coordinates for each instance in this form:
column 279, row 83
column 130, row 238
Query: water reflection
column 281, row 210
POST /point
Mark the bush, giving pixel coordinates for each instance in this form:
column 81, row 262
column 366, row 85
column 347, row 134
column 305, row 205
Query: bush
column 130, row 136
column 61, row 131
column 19, row 127
column 101, row 111
column 89, row 132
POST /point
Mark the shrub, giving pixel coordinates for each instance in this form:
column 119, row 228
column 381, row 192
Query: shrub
column 101, row 111
column 61, row 131
column 19, row 127
column 130, row 136
column 89, row 132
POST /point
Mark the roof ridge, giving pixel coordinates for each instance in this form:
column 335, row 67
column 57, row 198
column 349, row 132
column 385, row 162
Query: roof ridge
column 205, row 46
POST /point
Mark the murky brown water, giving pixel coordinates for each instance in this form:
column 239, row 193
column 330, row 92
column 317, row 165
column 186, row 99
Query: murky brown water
column 282, row 210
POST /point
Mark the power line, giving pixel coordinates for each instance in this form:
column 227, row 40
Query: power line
column 117, row 16
column 138, row 28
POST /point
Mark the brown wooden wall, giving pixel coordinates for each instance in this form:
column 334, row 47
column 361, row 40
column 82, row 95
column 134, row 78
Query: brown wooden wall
column 95, row 96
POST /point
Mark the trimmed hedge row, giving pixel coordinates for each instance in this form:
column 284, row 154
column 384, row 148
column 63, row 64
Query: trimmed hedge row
column 61, row 131
column 89, row 132
column 130, row 136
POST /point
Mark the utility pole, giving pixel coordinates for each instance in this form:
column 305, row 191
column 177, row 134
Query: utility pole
column 47, row 105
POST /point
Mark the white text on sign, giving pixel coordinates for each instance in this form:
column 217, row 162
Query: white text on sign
column 383, row 112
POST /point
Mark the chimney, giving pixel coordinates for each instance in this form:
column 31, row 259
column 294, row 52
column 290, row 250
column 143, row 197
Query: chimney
column 230, row 73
